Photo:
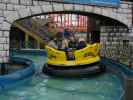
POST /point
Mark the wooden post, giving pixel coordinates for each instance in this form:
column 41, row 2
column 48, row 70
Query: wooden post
column 38, row 45
column 26, row 40
column 3, row 69
column 88, row 30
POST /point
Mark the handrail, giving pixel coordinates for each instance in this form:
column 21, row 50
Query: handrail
column 29, row 32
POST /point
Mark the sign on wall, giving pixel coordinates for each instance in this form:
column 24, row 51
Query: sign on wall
column 111, row 3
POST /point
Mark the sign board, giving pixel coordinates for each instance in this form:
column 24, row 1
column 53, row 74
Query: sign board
column 110, row 3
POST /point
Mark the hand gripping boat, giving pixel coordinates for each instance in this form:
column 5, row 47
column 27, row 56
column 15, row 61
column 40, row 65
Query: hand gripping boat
column 83, row 62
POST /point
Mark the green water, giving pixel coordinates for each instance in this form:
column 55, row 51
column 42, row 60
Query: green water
column 41, row 87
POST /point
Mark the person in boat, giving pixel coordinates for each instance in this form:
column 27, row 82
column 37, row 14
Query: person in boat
column 59, row 42
column 70, row 54
column 72, row 43
column 81, row 43
column 52, row 30
column 67, row 33
column 53, row 44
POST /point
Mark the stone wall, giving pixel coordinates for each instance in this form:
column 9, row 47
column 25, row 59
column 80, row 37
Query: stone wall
column 118, row 46
column 11, row 10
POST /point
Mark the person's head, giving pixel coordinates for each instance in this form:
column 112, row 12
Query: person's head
column 67, row 30
column 51, row 27
column 73, row 29
column 61, row 29
column 50, row 19
column 81, row 39
column 59, row 36
column 70, row 53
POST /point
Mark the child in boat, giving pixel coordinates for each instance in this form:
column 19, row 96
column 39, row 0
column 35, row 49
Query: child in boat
column 70, row 55
column 81, row 43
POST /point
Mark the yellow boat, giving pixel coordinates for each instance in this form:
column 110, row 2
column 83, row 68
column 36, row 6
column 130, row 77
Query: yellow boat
column 85, row 61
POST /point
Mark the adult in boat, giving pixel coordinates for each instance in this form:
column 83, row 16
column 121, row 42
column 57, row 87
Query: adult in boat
column 50, row 29
column 59, row 42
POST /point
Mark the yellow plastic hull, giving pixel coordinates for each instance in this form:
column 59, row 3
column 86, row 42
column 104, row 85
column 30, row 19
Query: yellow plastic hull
column 86, row 62
column 87, row 55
